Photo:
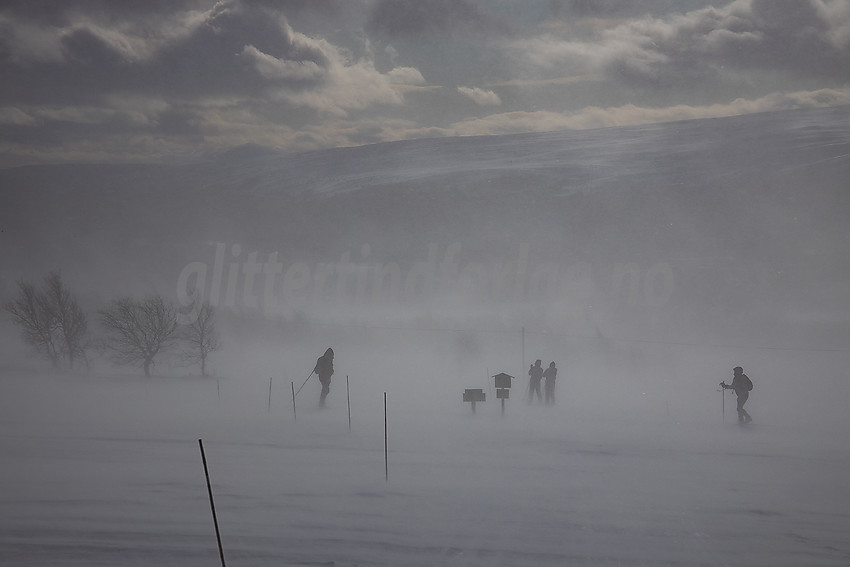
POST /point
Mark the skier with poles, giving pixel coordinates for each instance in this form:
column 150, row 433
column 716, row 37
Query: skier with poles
column 742, row 385
column 324, row 369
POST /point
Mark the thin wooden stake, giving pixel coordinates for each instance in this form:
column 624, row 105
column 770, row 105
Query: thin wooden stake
column 348, row 397
column 294, row 413
column 386, row 446
column 270, row 394
column 212, row 502
column 523, row 350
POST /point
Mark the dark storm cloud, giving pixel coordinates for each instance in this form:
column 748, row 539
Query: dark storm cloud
column 238, row 50
column 58, row 13
column 149, row 75
column 797, row 36
column 212, row 59
column 230, row 72
column 808, row 37
column 405, row 19
column 803, row 38
column 203, row 56
column 63, row 13
column 583, row 8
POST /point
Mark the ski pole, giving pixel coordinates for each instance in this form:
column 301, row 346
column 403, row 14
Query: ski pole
column 305, row 382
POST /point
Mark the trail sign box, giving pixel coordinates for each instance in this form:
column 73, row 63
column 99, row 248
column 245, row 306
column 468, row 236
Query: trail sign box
column 503, row 380
column 503, row 385
column 474, row 395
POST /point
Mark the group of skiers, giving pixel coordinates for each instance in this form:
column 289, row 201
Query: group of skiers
column 741, row 383
column 537, row 374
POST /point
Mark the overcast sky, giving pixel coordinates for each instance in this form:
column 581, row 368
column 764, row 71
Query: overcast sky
column 98, row 80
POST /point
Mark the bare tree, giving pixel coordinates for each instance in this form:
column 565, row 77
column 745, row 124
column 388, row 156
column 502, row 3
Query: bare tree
column 31, row 313
column 139, row 330
column 200, row 335
column 71, row 321
column 50, row 320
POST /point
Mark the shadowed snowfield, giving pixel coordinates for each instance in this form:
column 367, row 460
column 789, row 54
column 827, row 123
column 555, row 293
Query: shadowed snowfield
column 107, row 471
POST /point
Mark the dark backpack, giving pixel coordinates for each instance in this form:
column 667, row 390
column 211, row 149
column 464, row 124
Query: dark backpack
column 748, row 384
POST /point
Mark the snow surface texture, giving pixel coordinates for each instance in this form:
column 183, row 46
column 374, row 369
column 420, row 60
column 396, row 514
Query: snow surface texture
column 107, row 471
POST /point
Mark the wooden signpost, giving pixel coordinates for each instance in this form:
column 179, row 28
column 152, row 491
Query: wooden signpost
column 474, row 395
column 503, row 388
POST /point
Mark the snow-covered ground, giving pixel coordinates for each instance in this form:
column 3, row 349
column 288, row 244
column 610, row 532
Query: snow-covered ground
column 107, row 471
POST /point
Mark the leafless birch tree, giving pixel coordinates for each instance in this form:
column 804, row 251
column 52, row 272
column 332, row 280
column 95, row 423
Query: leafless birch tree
column 139, row 330
column 200, row 335
column 51, row 320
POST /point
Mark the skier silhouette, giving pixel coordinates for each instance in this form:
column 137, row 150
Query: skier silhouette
column 742, row 385
column 549, row 388
column 324, row 370
column 536, row 375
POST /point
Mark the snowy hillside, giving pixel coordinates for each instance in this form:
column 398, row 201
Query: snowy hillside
column 738, row 214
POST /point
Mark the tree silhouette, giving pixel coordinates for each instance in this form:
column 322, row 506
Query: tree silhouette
column 71, row 322
column 139, row 330
column 200, row 335
column 50, row 320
